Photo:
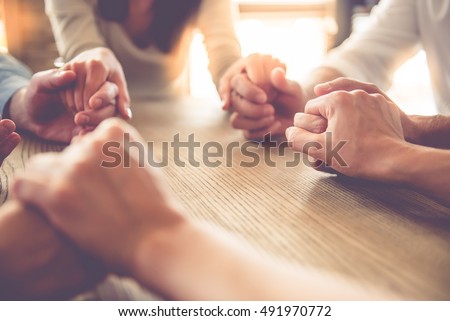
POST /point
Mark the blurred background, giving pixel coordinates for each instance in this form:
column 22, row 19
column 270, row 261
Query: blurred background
column 299, row 32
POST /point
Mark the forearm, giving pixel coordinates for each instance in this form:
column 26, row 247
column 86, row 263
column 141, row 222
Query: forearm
column 319, row 76
column 425, row 169
column 16, row 112
column 13, row 77
column 36, row 262
column 432, row 131
column 220, row 39
column 196, row 263
column 74, row 25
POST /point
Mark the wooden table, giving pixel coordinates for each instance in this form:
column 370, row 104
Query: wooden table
column 377, row 234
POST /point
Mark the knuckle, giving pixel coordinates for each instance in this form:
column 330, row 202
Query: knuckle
column 341, row 97
column 113, row 127
column 341, row 80
column 96, row 65
column 77, row 168
column 359, row 93
column 103, row 51
column 378, row 97
column 321, row 126
column 60, row 192
column 77, row 65
column 373, row 88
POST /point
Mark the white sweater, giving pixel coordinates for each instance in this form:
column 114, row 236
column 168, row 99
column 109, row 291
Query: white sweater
column 149, row 72
column 398, row 29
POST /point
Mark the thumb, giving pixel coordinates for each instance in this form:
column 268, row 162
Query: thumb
column 30, row 190
column 123, row 99
column 306, row 142
column 281, row 83
column 225, row 82
column 225, row 93
column 53, row 80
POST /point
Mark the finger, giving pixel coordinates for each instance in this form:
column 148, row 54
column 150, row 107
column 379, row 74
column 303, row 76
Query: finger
column 29, row 190
column 62, row 97
column 113, row 129
column 70, row 101
column 7, row 126
column 258, row 135
column 93, row 117
column 105, row 96
column 79, row 133
column 225, row 83
column 8, row 145
column 96, row 75
column 249, row 109
column 85, row 131
column 347, row 84
column 245, row 88
column 80, row 71
column 306, row 142
column 225, row 92
column 123, row 100
column 33, row 189
column 53, row 80
column 239, row 122
column 40, row 167
column 260, row 66
column 322, row 167
column 280, row 82
column 325, row 106
column 312, row 123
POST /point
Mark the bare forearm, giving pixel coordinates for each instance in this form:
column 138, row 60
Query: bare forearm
column 425, row 169
column 36, row 262
column 194, row 263
column 319, row 76
column 432, row 131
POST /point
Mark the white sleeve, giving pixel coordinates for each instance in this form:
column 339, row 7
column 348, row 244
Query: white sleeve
column 216, row 24
column 74, row 26
column 375, row 53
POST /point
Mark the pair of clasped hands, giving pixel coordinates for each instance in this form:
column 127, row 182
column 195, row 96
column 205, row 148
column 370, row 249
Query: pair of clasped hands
column 60, row 104
column 263, row 101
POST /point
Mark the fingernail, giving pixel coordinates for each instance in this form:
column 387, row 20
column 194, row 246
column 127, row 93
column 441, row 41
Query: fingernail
column 7, row 126
column 223, row 103
column 129, row 113
column 326, row 86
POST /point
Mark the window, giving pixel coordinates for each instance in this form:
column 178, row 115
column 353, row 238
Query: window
column 296, row 31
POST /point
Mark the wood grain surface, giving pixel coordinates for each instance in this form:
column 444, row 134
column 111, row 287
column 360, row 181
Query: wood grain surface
column 376, row 234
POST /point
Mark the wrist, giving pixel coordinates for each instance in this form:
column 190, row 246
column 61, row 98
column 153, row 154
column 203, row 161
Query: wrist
column 413, row 128
column 156, row 255
column 15, row 110
column 404, row 165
